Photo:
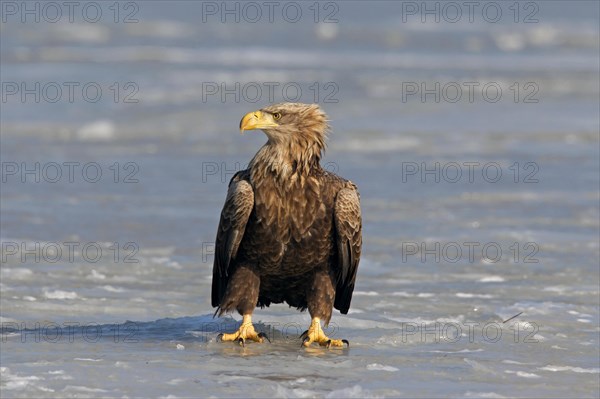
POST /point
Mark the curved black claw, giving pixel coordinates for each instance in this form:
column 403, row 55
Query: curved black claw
column 220, row 337
column 265, row 336
column 304, row 334
column 241, row 342
column 345, row 341
column 304, row 340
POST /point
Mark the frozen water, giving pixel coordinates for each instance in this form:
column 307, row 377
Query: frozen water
column 105, row 285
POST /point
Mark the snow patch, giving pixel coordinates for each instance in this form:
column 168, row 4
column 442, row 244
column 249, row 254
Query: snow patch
column 381, row 367
column 570, row 368
column 99, row 130
column 59, row 294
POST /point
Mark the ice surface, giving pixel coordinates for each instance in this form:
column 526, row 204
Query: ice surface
column 418, row 326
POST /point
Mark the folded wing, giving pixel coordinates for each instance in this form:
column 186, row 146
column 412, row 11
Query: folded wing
column 235, row 214
column 348, row 226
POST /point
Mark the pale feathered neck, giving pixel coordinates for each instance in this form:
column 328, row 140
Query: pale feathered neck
column 286, row 161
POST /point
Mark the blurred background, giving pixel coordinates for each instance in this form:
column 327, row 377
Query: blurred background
column 464, row 125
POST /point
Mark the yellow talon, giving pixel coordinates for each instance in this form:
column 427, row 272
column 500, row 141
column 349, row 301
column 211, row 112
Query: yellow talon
column 315, row 334
column 245, row 332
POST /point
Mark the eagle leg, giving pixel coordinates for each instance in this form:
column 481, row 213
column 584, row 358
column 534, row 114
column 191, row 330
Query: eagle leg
column 244, row 333
column 320, row 298
column 241, row 295
column 315, row 334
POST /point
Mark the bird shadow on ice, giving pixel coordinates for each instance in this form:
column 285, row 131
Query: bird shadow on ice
column 205, row 329
column 191, row 330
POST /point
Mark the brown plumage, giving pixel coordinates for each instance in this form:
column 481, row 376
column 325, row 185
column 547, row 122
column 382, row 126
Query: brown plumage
column 289, row 230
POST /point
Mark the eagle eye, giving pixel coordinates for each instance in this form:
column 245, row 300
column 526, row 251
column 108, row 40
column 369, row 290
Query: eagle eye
column 277, row 115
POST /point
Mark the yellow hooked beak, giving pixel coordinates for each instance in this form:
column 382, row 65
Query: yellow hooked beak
column 257, row 120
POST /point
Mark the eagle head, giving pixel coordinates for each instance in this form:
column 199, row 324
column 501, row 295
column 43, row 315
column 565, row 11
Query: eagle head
column 290, row 124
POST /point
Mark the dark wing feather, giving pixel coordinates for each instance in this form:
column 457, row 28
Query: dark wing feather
column 235, row 214
column 348, row 236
